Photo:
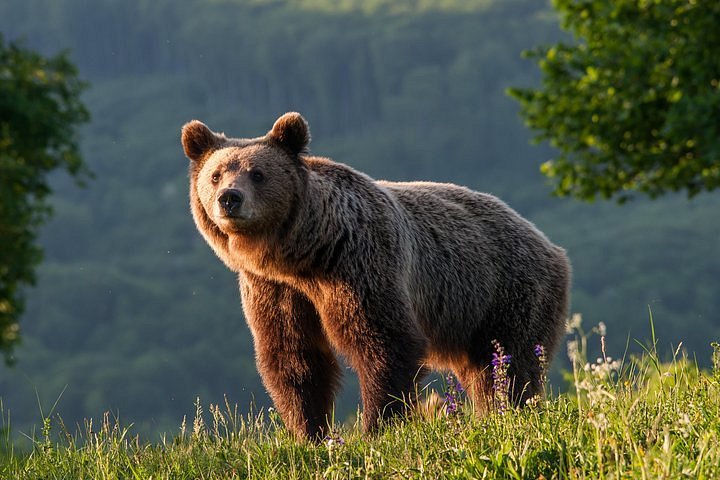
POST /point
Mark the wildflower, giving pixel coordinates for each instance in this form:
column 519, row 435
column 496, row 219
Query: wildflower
column 573, row 323
column 602, row 329
column 334, row 440
column 573, row 351
column 541, row 356
column 501, row 382
column 542, row 360
column 599, row 421
column 451, row 406
column 597, row 383
column 684, row 425
column 603, row 369
column 453, row 390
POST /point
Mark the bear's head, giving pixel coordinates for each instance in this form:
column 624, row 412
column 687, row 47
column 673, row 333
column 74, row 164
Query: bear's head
column 247, row 186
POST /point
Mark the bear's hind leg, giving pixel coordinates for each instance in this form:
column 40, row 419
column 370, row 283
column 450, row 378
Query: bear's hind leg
column 525, row 373
column 294, row 358
column 389, row 388
column 477, row 382
column 490, row 387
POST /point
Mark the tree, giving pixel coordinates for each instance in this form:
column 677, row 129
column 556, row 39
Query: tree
column 634, row 104
column 40, row 108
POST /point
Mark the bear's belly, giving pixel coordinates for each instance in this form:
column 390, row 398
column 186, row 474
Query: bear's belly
column 444, row 360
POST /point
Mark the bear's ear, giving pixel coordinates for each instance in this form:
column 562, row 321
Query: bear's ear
column 292, row 131
column 198, row 139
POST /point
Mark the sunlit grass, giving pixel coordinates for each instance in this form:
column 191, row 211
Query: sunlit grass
column 623, row 418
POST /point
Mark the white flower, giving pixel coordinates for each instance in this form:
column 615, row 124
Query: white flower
column 600, row 421
column 573, row 323
column 602, row 329
column 572, row 350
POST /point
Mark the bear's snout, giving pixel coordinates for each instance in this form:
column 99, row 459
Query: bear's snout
column 230, row 201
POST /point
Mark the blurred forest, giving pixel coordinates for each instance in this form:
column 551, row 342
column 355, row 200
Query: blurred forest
column 133, row 313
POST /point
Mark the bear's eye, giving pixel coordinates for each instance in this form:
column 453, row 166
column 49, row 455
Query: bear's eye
column 216, row 177
column 257, row 176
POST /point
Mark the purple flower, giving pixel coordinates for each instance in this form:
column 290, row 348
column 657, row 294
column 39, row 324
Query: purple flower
column 453, row 389
column 501, row 382
column 451, row 405
column 334, row 440
column 500, row 359
column 539, row 351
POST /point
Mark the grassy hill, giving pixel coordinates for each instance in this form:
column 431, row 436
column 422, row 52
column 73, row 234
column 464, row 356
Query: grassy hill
column 635, row 418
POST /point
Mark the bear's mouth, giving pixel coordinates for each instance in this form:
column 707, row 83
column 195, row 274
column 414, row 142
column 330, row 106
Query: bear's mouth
column 231, row 219
column 233, row 222
column 234, row 214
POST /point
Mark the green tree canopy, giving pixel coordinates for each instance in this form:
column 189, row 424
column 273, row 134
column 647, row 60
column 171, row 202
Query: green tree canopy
column 39, row 111
column 634, row 104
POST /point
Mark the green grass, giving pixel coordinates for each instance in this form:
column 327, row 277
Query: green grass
column 638, row 418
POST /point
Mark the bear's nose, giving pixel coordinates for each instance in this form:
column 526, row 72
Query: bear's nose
column 230, row 201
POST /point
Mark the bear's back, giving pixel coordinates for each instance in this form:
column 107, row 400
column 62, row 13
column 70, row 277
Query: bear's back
column 454, row 211
column 471, row 254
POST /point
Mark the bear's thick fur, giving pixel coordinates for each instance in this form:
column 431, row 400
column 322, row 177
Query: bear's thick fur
column 396, row 277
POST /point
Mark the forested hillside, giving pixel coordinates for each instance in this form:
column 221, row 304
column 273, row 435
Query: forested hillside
column 134, row 314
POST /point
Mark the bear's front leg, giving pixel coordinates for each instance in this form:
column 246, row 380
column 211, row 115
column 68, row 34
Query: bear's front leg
column 378, row 335
column 294, row 358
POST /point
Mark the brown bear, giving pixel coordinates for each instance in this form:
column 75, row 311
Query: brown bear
column 396, row 277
